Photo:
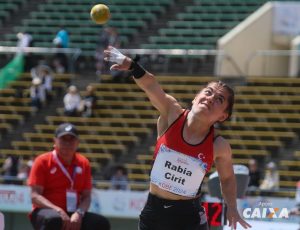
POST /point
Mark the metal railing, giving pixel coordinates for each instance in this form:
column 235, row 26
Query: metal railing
column 188, row 54
column 74, row 53
column 266, row 54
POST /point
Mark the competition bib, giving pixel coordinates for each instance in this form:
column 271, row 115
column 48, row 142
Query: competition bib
column 177, row 173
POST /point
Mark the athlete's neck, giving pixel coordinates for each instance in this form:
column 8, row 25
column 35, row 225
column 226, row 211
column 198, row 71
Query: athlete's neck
column 65, row 158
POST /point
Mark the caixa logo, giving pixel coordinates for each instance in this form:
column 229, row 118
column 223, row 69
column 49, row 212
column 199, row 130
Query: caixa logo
column 271, row 213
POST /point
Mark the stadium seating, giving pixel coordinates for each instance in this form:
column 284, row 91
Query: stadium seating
column 289, row 170
column 200, row 25
column 264, row 123
column 74, row 15
column 15, row 104
column 8, row 8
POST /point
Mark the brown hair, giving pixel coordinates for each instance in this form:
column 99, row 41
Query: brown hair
column 230, row 98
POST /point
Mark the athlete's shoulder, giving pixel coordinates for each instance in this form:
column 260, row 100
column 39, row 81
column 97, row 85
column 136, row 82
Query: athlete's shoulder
column 220, row 140
column 43, row 159
column 43, row 156
column 164, row 122
column 81, row 158
column 176, row 114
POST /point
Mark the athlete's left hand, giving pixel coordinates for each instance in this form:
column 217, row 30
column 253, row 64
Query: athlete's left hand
column 234, row 217
column 122, row 62
column 75, row 221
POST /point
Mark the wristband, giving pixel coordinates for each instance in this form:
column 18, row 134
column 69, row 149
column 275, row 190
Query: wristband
column 137, row 70
column 80, row 211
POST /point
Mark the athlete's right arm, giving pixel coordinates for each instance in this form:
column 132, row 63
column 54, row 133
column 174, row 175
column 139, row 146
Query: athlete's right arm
column 163, row 102
column 39, row 200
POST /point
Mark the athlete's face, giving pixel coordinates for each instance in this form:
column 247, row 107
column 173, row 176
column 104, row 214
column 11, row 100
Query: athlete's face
column 212, row 101
column 66, row 144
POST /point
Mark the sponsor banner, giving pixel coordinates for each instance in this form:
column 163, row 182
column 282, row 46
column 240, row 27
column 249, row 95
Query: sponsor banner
column 269, row 209
column 286, row 18
column 15, row 198
column 266, row 225
column 128, row 204
column 124, row 204
column 121, row 204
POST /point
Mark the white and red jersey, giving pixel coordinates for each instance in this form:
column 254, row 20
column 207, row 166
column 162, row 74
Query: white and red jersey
column 179, row 167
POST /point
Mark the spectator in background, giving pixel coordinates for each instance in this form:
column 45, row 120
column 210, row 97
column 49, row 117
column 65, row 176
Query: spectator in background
column 271, row 179
column 61, row 185
column 60, row 59
column 58, row 66
column 109, row 37
column 88, row 104
column 25, row 40
column 119, row 180
column 44, row 72
column 37, row 93
column 62, row 38
column 47, row 79
column 23, row 171
column 10, row 169
column 254, row 174
column 25, row 167
column 30, row 162
column 72, row 101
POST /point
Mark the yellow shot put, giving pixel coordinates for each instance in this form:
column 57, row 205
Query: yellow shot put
column 100, row 14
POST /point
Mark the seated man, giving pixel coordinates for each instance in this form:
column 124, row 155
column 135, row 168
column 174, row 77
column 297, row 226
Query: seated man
column 61, row 184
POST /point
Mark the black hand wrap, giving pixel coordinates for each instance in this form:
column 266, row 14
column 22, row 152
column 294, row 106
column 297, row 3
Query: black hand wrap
column 137, row 70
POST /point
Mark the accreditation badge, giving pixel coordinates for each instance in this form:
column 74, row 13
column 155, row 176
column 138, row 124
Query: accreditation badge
column 71, row 196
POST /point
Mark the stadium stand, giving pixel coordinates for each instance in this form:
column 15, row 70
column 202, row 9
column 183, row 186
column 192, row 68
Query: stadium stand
column 289, row 173
column 200, row 25
column 265, row 120
column 15, row 103
column 85, row 34
column 7, row 9
column 265, row 123
column 192, row 28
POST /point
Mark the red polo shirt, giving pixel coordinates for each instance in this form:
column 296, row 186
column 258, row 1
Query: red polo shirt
column 46, row 172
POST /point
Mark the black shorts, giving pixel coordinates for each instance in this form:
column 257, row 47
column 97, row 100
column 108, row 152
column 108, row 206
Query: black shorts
column 162, row 214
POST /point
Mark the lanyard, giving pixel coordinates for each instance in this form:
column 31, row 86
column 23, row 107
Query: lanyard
column 64, row 170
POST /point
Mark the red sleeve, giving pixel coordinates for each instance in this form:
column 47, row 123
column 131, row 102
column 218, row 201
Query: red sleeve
column 88, row 176
column 37, row 172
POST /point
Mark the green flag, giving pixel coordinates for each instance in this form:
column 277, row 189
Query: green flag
column 12, row 70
